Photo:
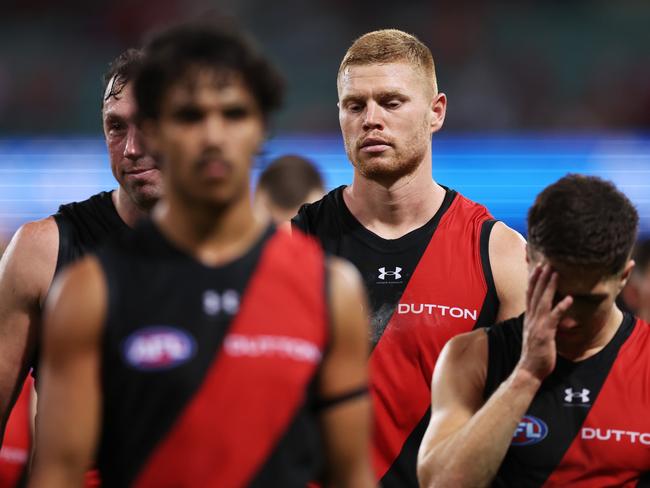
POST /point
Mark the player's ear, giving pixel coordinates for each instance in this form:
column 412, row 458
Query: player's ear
column 627, row 272
column 438, row 111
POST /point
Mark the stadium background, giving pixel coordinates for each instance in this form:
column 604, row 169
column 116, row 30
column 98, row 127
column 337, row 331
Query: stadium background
column 536, row 89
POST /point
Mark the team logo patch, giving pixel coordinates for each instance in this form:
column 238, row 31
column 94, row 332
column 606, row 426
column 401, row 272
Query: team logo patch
column 396, row 275
column 577, row 397
column 158, row 347
column 530, row 430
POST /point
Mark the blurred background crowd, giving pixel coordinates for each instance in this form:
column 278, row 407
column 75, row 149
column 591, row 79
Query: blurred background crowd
column 536, row 89
column 506, row 66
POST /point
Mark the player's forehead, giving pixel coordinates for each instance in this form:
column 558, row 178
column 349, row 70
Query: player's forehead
column 365, row 79
column 577, row 279
column 119, row 100
column 208, row 86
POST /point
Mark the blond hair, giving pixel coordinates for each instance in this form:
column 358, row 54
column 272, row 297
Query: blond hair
column 389, row 46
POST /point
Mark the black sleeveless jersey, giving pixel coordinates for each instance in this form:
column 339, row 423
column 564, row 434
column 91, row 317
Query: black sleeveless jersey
column 84, row 226
column 386, row 265
column 588, row 425
column 209, row 373
column 424, row 288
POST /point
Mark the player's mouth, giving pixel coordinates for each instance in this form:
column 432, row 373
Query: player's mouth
column 141, row 173
column 374, row 145
column 214, row 168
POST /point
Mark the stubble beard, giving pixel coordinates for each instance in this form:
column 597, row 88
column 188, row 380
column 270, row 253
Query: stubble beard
column 389, row 168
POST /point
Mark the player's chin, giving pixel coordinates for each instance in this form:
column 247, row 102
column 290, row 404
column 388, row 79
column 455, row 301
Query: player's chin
column 146, row 195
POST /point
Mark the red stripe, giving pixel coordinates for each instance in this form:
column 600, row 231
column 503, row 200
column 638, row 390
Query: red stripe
column 622, row 405
column 246, row 403
column 401, row 365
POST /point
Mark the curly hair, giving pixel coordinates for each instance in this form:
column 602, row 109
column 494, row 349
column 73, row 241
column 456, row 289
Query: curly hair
column 583, row 221
column 178, row 52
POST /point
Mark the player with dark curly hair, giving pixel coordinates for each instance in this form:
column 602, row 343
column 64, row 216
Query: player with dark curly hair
column 206, row 348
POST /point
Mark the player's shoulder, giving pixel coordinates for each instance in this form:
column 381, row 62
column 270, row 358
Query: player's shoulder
column 469, row 344
column 37, row 233
column 312, row 216
column 35, row 241
column 101, row 199
column 504, row 239
column 29, row 262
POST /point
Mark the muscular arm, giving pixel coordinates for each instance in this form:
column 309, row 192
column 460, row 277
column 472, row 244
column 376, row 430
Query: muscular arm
column 346, row 425
column 466, row 441
column 507, row 250
column 69, row 395
column 26, row 271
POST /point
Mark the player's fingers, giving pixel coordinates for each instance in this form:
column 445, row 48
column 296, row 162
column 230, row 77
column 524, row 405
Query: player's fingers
column 561, row 308
column 532, row 281
column 540, row 286
column 546, row 300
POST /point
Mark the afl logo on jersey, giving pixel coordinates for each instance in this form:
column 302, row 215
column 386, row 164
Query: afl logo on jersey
column 158, row 347
column 530, row 430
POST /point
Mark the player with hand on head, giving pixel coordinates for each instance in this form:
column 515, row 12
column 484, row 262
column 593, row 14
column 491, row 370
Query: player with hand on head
column 559, row 395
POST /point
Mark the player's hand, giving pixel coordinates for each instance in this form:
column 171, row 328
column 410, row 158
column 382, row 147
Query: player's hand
column 538, row 353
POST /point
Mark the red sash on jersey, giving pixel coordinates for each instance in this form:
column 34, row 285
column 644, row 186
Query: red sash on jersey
column 611, row 449
column 449, row 274
column 258, row 379
column 17, row 445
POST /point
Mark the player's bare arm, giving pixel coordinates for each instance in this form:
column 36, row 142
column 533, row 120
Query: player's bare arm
column 346, row 423
column 26, row 271
column 467, row 440
column 507, row 251
column 69, row 391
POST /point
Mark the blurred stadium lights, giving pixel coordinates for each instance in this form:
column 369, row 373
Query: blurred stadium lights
column 505, row 173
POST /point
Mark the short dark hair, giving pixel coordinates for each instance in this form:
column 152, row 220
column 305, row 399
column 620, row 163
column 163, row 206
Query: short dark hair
column 120, row 71
column 288, row 180
column 175, row 52
column 583, row 221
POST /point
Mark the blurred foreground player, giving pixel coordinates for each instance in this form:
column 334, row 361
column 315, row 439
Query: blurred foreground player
column 206, row 348
column 286, row 184
column 560, row 395
column 435, row 263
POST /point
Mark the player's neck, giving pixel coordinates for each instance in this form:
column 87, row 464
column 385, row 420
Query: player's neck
column 394, row 209
column 589, row 344
column 128, row 211
column 212, row 236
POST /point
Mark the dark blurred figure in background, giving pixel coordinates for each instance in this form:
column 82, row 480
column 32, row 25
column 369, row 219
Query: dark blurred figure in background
column 285, row 184
column 41, row 249
column 636, row 294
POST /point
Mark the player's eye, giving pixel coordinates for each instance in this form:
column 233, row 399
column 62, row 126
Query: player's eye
column 188, row 115
column 236, row 113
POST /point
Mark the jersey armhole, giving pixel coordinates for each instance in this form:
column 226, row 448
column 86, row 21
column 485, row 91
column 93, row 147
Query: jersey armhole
column 490, row 306
column 64, row 241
